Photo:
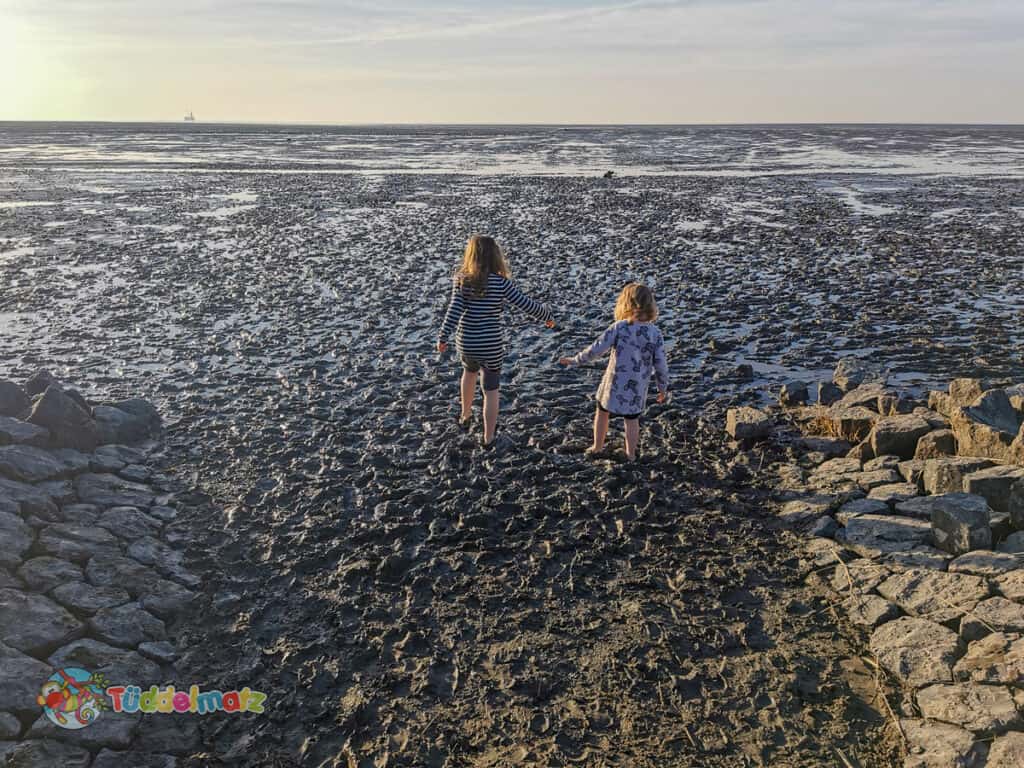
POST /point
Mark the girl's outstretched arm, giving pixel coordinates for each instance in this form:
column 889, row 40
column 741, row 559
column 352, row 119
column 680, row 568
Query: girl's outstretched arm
column 660, row 365
column 517, row 298
column 456, row 307
column 603, row 344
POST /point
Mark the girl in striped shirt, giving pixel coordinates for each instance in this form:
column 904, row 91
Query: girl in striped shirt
column 480, row 290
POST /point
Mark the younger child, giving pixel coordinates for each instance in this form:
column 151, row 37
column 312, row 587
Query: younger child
column 637, row 351
column 480, row 291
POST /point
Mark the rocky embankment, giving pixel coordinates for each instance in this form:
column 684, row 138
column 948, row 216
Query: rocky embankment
column 914, row 510
column 91, row 573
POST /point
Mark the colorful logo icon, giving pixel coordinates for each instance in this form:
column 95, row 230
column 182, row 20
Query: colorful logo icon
column 73, row 698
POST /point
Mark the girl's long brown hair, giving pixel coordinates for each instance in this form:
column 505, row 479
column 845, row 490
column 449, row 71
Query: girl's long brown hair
column 636, row 303
column 483, row 257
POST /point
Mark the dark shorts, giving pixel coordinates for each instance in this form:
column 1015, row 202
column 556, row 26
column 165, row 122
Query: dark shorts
column 602, row 409
column 492, row 376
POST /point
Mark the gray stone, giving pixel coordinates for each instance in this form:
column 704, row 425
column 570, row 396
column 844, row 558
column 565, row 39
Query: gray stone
column 17, row 432
column 1014, row 543
column 919, row 506
column 960, row 523
column 934, row 595
column 84, row 598
column 43, row 753
column 41, row 574
column 997, row 658
column 997, row 614
column 61, row 491
column 129, row 523
column 126, row 625
column 862, row 452
column 39, row 381
column 111, row 729
column 107, row 570
column 15, row 540
column 747, row 423
column 112, row 491
column 851, row 372
column 104, row 465
column 947, row 475
column 10, row 727
column 174, row 735
column 940, row 745
column 874, row 535
column 34, row 624
column 108, row 758
column 161, row 651
column 122, row 454
column 824, row 526
column 869, row 480
column 893, row 493
column 118, row 665
column 136, row 473
column 916, row 651
column 13, row 400
column 912, row 472
column 163, row 513
column 994, row 484
column 936, row 419
column 828, row 393
column 29, row 464
column 987, row 427
column 143, row 410
column 74, row 462
column 75, row 542
column 865, row 396
column 981, row 709
column 869, row 610
column 852, row 423
column 117, row 426
column 1015, row 505
column 804, row 510
column 793, row 393
column 884, row 461
column 859, row 576
column 167, row 599
column 858, row 507
column 149, row 551
column 828, row 446
column 83, row 514
column 1007, row 751
column 898, row 435
column 30, row 499
column 986, row 563
column 934, row 445
column 70, row 425
column 918, row 558
column 20, row 678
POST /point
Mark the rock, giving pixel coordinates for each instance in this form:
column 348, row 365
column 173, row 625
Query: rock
column 149, row 551
column 112, row 491
column 161, row 651
column 13, row 400
column 30, row 499
column 918, row 558
column 167, row 599
column 109, row 570
column 997, row 614
column 15, row 540
column 44, row 753
column 919, row 506
column 857, row 507
column 20, row 678
column 126, row 626
column 111, row 730
column 1011, row 585
column 34, row 624
column 117, row 426
column 912, row 471
column 136, row 473
column 1014, row 543
column 838, row 467
column 29, row 464
column 869, row 480
column 898, row 435
column 985, row 563
column 144, row 411
column 869, row 610
column 174, row 735
column 916, row 651
column 85, row 598
column 828, row 393
column 74, row 462
column 997, row 658
column 936, row 419
column 129, row 523
column 988, row 427
column 747, row 423
column 10, row 728
column 851, row 423
column 118, row 665
column 934, row 595
column 940, row 745
column 947, row 475
column 17, row 432
column 993, row 484
column 828, row 446
column 1007, row 751
column 108, row 758
column 965, row 391
column 39, row 382
column 859, row 576
column 866, row 396
column 885, row 461
column 824, row 526
column 42, row 574
column 75, row 542
column 793, row 393
column 960, row 523
column 1015, row 505
column 981, row 709
column 851, row 373
column 873, row 535
column 123, row 455
column 893, row 493
column 61, row 491
column 70, row 425
column 941, row 403
column 933, row 445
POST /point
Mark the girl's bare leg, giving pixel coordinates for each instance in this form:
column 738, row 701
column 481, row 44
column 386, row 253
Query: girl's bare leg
column 600, row 430
column 492, row 399
column 468, row 390
column 632, row 437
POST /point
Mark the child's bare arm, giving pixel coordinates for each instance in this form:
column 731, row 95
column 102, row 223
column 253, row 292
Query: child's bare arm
column 603, row 344
column 661, row 369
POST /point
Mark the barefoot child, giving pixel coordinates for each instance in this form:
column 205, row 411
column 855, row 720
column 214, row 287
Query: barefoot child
column 482, row 287
column 637, row 351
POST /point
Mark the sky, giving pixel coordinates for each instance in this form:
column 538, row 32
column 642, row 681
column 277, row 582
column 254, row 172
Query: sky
column 524, row 61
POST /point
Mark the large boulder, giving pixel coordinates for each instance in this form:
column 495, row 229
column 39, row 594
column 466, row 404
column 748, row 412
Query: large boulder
column 106, row 490
column 946, row 475
column 961, row 522
column 941, row 442
column 997, row 659
column 994, row 484
column 874, row 535
column 996, row 614
column 979, row 708
column 747, row 423
column 15, row 539
column 987, row 427
column 34, row 624
column 144, row 411
column 20, row 678
column 898, row 435
column 13, row 400
column 29, row 464
column 965, row 391
column 851, row 372
column 853, row 423
column 18, row 432
column 916, row 651
column 793, row 393
column 938, row 745
column 934, row 595
column 70, row 425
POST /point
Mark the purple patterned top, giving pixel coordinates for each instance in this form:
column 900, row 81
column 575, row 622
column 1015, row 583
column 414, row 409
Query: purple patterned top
column 637, row 352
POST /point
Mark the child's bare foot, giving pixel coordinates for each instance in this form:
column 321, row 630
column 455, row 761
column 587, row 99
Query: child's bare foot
column 594, row 451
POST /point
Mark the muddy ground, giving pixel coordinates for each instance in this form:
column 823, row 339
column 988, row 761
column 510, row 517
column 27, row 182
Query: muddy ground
column 404, row 597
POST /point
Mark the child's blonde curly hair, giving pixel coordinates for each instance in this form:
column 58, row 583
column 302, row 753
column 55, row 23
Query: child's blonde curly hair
column 636, row 304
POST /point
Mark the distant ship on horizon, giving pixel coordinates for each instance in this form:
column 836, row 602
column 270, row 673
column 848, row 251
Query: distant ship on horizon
column 190, row 118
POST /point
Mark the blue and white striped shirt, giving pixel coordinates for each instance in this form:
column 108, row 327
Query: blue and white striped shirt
column 476, row 321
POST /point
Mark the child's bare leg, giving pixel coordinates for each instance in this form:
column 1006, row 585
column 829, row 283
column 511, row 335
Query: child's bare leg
column 600, row 430
column 632, row 437
column 492, row 399
column 468, row 390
